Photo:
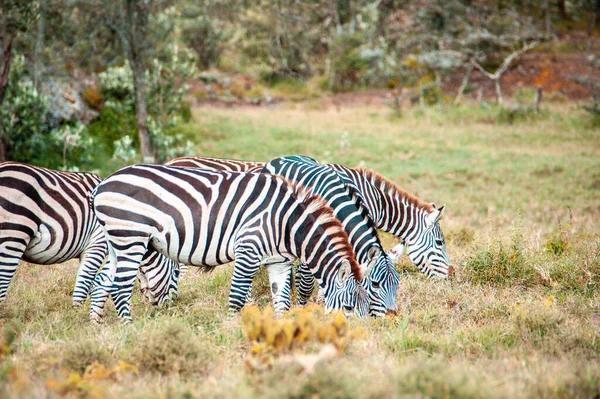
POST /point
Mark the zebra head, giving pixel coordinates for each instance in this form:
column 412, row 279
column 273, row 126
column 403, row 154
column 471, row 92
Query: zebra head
column 426, row 248
column 381, row 282
column 159, row 282
column 347, row 295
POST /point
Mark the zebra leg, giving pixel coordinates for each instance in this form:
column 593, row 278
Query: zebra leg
column 247, row 263
column 280, row 280
column 89, row 262
column 128, row 264
column 305, row 284
column 11, row 251
column 103, row 286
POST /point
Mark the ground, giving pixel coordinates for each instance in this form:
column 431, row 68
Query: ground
column 520, row 318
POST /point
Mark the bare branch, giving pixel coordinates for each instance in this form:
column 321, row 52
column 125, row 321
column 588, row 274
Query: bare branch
column 508, row 60
column 483, row 71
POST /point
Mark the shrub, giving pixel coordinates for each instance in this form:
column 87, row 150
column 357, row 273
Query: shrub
column 79, row 355
column 171, row 348
column 502, row 265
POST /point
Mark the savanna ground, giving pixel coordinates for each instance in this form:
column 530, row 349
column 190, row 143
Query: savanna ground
column 520, row 319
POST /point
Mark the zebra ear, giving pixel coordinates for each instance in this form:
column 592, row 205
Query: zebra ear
column 432, row 217
column 344, row 272
column 441, row 209
column 373, row 253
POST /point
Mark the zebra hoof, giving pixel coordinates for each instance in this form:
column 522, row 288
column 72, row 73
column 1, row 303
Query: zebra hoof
column 127, row 320
column 77, row 304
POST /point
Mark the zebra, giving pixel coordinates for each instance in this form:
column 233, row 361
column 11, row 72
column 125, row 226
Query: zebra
column 208, row 218
column 392, row 209
column 46, row 218
column 415, row 222
column 382, row 281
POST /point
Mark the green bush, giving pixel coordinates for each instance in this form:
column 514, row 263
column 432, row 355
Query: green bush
column 502, row 265
column 32, row 134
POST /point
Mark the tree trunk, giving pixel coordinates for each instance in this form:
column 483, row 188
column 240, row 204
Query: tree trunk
column 562, row 10
column 7, row 54
column 39, row 45
column 136, row 21
column 2, row 149
column 538, row 99
column 464, row 83
column 498, row 91
column 548, row 18
column 141, row 111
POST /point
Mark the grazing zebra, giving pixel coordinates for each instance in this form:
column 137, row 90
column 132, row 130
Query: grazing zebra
column 392, row 210
column 208, row 218
column 46, row 218
column 395, row 211
column 382, row 280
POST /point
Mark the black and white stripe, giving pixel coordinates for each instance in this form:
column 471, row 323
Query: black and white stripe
column 45, row 218
column 395, row 211
column 392, row 210
column 381, row 278
column 208, row 218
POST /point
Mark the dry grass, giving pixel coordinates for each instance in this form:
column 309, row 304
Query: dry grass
column 521, row 319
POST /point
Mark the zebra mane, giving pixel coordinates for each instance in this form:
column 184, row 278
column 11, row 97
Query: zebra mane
column 318, row 207
column 392, row 189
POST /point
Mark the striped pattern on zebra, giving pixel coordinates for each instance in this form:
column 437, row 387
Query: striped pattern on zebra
column 210, row 163
column 395, row 211
column 392, row 209
column 45, row 218
column 381, row 278
column 208, row 218
column 231, row 165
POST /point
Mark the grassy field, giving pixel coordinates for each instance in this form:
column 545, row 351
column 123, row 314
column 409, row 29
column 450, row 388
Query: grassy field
column 520, row 319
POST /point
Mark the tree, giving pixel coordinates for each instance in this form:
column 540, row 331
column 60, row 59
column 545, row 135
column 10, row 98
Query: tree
column 130, row 21
column 15, row 17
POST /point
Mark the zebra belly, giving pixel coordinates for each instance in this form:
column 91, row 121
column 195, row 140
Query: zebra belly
column 47, row 248
column 198, row 256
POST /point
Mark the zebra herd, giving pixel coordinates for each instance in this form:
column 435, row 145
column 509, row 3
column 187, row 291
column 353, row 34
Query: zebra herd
column 151, row 221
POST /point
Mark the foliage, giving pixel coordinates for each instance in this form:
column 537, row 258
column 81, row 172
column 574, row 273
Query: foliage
column 166, row 103
column 502, row 265
column 33, row 133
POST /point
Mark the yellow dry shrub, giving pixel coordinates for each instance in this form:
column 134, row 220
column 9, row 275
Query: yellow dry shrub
column 294, row 330
column 86, row 384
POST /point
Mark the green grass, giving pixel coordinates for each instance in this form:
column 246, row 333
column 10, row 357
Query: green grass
column 520, row 319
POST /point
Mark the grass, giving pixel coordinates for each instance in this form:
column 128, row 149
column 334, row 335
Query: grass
column 520, row 319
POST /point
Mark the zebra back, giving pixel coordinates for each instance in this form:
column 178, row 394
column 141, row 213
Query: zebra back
column 232, row 165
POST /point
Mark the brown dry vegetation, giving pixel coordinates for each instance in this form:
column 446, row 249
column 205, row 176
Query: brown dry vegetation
column 521, row 318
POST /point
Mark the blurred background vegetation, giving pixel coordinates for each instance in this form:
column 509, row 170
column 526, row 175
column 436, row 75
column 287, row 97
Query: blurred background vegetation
column 97, row 84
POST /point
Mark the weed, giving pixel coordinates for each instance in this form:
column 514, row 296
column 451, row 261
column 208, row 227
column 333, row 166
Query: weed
column 559, row 242
column 79, row 355
column 502, row 265
column 171, row 348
